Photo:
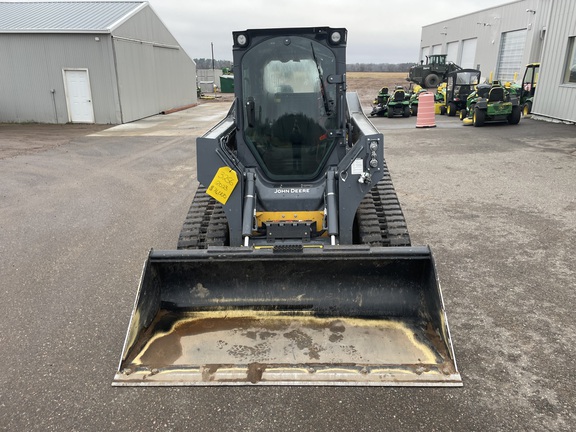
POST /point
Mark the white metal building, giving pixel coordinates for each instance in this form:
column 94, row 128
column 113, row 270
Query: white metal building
column 501, row 40
column 89, row 62
column 556, row 92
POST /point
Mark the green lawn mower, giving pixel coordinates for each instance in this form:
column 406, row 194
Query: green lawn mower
column 398, row 103
column 414, row 99
column 381, row 103
column 491, row 103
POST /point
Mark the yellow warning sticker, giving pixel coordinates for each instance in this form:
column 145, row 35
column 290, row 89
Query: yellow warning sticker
column 223, row 184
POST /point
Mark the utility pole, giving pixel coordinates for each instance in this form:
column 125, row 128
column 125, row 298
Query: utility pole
column 213, row 69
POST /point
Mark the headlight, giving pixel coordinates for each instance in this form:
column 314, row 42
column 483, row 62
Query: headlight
column 242, row 40
column 336, row 38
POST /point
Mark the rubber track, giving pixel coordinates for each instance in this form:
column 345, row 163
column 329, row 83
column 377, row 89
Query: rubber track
column 205, row 224
column 379, row 217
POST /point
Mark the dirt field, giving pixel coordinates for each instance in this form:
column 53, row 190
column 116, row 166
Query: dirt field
column 367, row 84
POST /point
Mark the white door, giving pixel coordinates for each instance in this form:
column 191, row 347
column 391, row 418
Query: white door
column 78, row 96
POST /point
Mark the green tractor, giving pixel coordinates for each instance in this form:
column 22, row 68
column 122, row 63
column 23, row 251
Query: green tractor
column 380, row 104
column 398, row 103
column 433, row 72
column 460, row 84
column 491, row 103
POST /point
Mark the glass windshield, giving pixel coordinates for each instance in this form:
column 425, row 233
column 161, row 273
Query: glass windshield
column 467, row 78
column 461, row 84
column 288, row 107
column 531, row 76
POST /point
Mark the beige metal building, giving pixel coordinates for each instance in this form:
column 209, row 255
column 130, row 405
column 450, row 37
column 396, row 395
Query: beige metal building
column 501, row 40
column 89, row 62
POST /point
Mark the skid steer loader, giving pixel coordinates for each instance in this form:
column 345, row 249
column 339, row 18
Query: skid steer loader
column 294, row 265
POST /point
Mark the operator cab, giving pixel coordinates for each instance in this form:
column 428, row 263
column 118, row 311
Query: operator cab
column 437, row 59
column 289, row 106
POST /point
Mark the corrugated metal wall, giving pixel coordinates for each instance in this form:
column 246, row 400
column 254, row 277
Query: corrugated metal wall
column 154, row 73
column 554, row 98
column 487, row 26
column 35, row 68
column 138, row 71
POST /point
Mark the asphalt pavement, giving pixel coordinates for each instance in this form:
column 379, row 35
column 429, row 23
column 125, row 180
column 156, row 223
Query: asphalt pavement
column 496, row 204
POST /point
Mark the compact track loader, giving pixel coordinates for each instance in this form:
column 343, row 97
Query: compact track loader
column 294, row 265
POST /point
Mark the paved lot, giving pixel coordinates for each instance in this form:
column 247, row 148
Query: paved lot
column 497, row 205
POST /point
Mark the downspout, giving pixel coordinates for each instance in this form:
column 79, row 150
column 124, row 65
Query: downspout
column 53, row 91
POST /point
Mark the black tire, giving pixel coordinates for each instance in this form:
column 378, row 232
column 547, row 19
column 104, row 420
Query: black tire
column 390, row 112
column 406, row 112
column 431, row 80
column 414, row 110
column 463, row 113
column 451, row 109
column 514, row 117
column 479, row 117
column 443, row 110
column 527, row 108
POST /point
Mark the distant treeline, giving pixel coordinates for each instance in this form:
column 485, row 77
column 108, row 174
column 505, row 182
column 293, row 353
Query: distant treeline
column 204, row 63
column 379, row 67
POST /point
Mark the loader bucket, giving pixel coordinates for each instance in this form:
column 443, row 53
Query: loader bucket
column 333, row 316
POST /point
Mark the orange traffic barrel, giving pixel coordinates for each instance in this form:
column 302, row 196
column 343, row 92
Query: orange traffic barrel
column 425, row 117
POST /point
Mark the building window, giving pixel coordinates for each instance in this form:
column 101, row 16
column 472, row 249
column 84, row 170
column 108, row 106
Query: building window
column 570, row 72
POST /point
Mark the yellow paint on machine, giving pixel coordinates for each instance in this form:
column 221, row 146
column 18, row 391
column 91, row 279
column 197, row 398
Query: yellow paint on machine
column 291, row 216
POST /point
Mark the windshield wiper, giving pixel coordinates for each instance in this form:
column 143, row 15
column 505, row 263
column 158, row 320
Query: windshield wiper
column 322, row 89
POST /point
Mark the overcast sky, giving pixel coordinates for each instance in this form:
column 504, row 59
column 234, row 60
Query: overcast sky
column 379, row 31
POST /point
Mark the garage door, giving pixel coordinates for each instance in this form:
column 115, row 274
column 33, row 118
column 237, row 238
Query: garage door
column 425, row 52
column 468, row 53
column 452, row 52
column 511, row 54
